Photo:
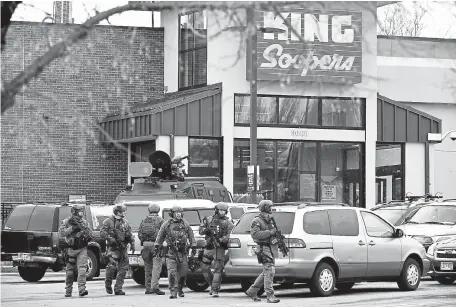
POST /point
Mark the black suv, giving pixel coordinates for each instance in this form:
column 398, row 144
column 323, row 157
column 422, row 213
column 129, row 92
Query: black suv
column 30, row 238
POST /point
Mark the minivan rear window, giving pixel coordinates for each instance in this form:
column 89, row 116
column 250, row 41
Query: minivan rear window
column 284, row 220
column 316, row 223
column 42, row 219
column 19, row 218
column 344, row 222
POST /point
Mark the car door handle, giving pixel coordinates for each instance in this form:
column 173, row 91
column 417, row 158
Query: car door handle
column 361, row 243
column 371, row 243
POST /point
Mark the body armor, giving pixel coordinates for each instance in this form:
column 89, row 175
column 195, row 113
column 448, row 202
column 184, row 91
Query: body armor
column 149, row 228
column 177, row 235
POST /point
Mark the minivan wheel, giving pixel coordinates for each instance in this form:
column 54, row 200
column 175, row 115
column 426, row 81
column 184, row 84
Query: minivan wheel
column 31, row 274
column 139, row 276
column 446, row 280
column 323, row 280
column 344, row 286
column 410, row 277
column 245, row 285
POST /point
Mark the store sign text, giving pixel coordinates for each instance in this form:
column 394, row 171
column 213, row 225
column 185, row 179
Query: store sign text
column 301, row 133
column 312, row 27
column 304, row 63
column 310, row 45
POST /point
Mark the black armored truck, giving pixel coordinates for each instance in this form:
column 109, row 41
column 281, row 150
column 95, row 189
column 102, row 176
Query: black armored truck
column 163, row 178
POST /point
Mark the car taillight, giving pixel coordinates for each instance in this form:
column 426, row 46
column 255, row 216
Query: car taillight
column 296, row 243
column 234, row 243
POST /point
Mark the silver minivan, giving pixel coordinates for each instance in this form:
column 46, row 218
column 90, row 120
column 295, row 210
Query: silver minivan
column 330, row 247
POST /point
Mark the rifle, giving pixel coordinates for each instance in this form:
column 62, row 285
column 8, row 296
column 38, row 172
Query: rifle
column 212, row 234
column 281, row 238
column 81, row 233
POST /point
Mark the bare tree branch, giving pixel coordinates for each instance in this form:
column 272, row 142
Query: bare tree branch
column 397, row 20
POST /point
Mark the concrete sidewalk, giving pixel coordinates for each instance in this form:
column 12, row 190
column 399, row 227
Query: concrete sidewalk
column 7, row 267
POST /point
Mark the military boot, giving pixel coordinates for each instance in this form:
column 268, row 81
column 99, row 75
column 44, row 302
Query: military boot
column 83, row 292
column 68, row 293
column 173, row 295
column 109, row 289
column 253, row 294
column 273, row 299
column 158, row 292
column 119, row 292
column 215, row 293
column 181, row 293
column 149, row 291
column 211, row 292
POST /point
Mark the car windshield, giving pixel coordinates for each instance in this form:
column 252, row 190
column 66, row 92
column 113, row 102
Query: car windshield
column 391, row 215
column 193, row 216
column 435, row 214
column 284, row 220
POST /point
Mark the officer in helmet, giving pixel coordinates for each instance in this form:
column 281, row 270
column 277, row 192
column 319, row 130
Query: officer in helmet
column 147, row 234
column 263, row 233
column 117, row 233
column 216, row 229
column 77, row 234
column 178, row 236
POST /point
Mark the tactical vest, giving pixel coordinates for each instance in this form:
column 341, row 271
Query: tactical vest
column 264, row 225
column 150, row 227
column 120, row 229
column 177, row 232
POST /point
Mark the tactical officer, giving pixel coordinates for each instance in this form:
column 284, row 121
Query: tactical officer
column 77, row 234
column 217, row 229
column 177, row 233
column 147, row 234
column 263, row 233
column 117, row 233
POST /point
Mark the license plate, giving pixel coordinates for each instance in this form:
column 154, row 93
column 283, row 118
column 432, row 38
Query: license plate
column 446, row 266
column 133, row 260
column 22, row 257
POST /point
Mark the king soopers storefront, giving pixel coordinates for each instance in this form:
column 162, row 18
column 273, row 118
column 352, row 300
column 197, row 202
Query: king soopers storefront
column 324, row 133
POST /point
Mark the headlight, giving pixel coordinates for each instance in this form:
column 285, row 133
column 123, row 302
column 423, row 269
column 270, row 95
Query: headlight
column 423, row 240
column 431, row 250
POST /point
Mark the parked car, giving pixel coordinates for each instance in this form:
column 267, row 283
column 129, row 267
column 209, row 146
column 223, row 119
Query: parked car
column 396, row 211
column 442, row 255
column 194, row 212
column 30, row 238
column 430, row 222
column 331, row 246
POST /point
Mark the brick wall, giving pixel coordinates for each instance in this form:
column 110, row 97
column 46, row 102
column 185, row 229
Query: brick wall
column 49, row 140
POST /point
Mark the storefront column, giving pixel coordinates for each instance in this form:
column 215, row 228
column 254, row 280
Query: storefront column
column 181, row 149
column 163, row 143
column 128, row 163
column 371, row 148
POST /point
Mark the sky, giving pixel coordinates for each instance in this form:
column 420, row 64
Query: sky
column 440, row 20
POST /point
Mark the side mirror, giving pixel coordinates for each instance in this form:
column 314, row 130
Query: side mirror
column 398, row 233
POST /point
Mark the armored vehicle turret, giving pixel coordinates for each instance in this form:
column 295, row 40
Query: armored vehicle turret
column 164, row 178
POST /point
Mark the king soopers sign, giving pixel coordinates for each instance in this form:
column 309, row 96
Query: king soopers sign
column 328, row 49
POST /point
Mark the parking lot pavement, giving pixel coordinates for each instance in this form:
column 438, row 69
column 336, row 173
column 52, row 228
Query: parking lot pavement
column 50, row 293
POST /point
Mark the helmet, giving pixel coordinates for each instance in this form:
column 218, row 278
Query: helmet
column 221, row 207
column 119, row 208
column 174, row 209
column 76, row 208
column 154, row 208
column 265, row 205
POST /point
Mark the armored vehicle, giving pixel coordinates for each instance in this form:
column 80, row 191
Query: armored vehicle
column 163, row 178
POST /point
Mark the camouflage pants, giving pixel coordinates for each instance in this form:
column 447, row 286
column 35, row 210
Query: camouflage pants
column 152, row 266
column 266, row 277
column 216, row 255
column 177, row 272
column 76, row 261
column 117, row 268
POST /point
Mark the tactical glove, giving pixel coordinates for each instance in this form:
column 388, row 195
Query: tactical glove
column 273, row 232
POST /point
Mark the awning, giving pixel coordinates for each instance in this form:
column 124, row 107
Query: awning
column 397, row 122
column 195, row 112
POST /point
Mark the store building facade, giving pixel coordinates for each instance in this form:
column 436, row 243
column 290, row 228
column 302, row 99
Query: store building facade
column 324, row 132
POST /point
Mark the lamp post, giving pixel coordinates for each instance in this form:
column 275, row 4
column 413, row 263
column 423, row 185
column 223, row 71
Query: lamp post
column 439, row 137
column 251, row 58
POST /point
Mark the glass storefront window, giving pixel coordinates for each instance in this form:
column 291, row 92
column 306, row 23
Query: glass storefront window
column 298, row 110
column 342, row 112
column 266, row 109
column 204, row 157
column 302, row 171
column 340, row 173
column 302, row 111
column 265, row 159
column 389, row 172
